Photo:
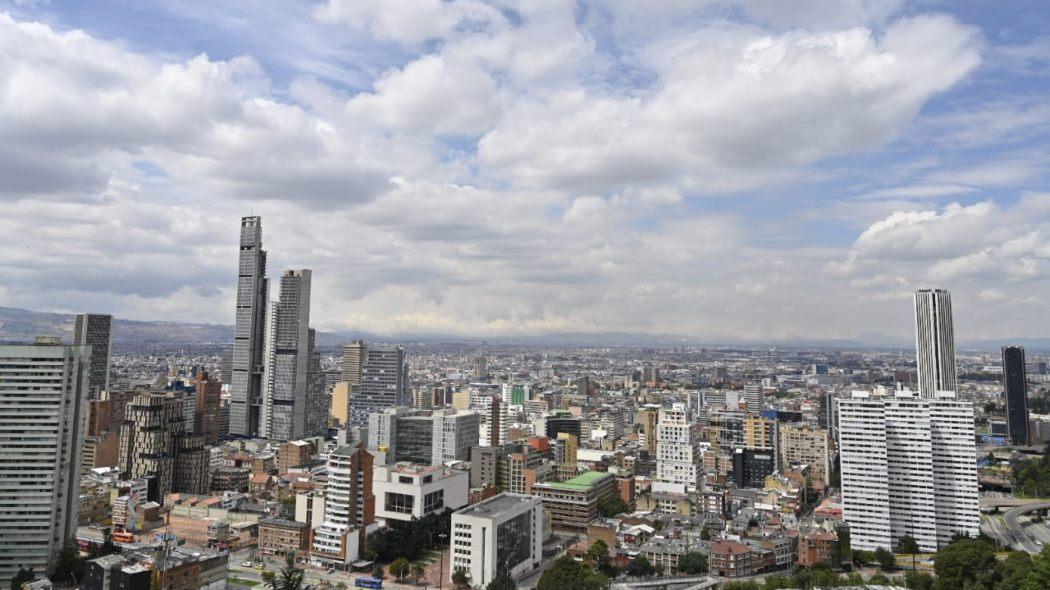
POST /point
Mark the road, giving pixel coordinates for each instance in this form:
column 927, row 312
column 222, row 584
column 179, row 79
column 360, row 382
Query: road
column 1027, row 536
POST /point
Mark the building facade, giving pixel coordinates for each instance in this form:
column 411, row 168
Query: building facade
column 43, row 402
column 349, row 508
column 1015, row 386
column 206, row 413
column 384, row 383
column 573, row 504
column 95, row 330
column 153, row 441
column 934, row 342
column 246, row 373
column 501, row 534
column 405, row 491
column 678, row 452
column 908, row 468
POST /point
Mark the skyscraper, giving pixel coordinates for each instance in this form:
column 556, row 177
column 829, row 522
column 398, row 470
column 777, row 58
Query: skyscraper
column 288, row 383
column 43, row 395
column 206, row 414
column 95, row 330
column 384, row 383
column 677, row 451
column 349, row 508
column 252, row 293
column 353, row 363
column 1016, row 388
column 934, row 342
column 909, row 467
column 154, row 441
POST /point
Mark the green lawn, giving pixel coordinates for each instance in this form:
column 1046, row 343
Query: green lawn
column 242, row 581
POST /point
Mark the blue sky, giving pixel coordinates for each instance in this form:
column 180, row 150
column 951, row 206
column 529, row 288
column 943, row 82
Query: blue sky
column 723, row 169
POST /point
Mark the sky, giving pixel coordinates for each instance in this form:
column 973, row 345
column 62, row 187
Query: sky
column 720, row 170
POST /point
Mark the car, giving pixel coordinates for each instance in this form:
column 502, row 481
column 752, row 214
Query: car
column 246, row 564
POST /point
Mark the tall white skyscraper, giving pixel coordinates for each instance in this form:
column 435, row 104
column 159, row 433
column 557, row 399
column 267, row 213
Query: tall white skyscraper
column 246, row 378
column 43, row 408
column 678, row 450
column 934, row 342
column 95, row 330
column 909, row 467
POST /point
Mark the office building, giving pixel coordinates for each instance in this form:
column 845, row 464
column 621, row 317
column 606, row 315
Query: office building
column 1015, row 386
column 429, row 438
column 753, row 397
column 405, row 491
column 349, row 508
column 493, row 417
column 806, row 446
column 678, row 451
column 384, row 383
column 501, row 534
column 43, row 401
column 649, row 418
column 563, row 421
column 479, row 368
column 208, row 402
column 246, row 374
column 95, row 330
column 909, row 467
column 761, row 434
column 751, row 467
column 279, row 537
column 934, row 342
column 353, row 363
column 153, row 441
column 573, row 504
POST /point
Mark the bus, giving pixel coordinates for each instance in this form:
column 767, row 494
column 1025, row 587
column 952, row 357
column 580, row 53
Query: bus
column 364, row 582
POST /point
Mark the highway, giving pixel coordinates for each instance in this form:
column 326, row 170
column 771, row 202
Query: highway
column 1027, row 536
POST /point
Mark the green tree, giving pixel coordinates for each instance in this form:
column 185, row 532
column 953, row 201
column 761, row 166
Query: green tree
column 290, row 577
column 400, row 568
column 418, row 571
column 598, row 552
column 268, row 577
column 640, row 566
column 918, row 580
column 1014, row 569
column 502, row 581
column 568, row 574
column 966, row 563
column 69, row 566
column 886, row 559
column 1038, row 577
column 23, row 576
column 879, row 579
column 461, row 577
column 863, row 557
column 907, row 544
column 705, row 534
column 844, row 544
column 692, row 563
column 748, row 585
column 612, row 506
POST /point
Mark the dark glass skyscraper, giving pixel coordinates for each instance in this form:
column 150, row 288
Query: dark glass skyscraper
column 247, row 366
column 1016, row 394
column 94, row 330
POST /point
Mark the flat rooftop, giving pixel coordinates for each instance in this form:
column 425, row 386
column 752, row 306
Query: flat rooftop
column 579, row 483
column 496, row 505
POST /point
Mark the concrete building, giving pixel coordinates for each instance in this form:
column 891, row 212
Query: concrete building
column 280, row 538
column 503, row 533
column 294, row 453
column 678, row 451
column 384, row 383
column 406, row 491
column 43, row 403
column 573, row 504
column 805, row 445
column 353, row 363
column 206, row 412
column 349, row 508
column 339, row 409
column 908, row 468
column 246, row 375
column 934, row 342
column 426, row 437
column 649, row 418
column 153, row 441
column 95, row 330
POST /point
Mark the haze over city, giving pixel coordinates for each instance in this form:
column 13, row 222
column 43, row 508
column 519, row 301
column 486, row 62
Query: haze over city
column 718, row 170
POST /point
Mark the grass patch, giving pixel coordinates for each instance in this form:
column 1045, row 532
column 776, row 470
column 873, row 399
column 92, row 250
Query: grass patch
column 243, row 581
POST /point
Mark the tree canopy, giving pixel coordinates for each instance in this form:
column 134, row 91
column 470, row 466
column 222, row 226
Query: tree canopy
column 569, row 574
column 289, row 578
column 693, row 563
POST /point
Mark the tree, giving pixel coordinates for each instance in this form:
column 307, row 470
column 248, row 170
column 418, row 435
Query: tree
column 69, row 566
column 289, row 578
column 918, row 580
column 612, row 506
column 863, row 557
column 965, row 563
column 879, row 579
column 844, row 544
column 693, row 563
column 502, row 581
column 568, row 574
column 907, row 544
column 400, row 568
column 640, row 566
column 418, row 571
column 461, row 577
column 1014, row 569
column 1038, row 577
column 268, row 578
column 23, row 576
column 598, row 552
column 705, row 535
column 886, row 559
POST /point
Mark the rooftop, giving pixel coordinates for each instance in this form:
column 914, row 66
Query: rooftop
column 581, row 482
column 496, row 505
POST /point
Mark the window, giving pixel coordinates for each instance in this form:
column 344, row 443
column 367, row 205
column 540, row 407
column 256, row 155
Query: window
column 400, row 503
column 433, row 501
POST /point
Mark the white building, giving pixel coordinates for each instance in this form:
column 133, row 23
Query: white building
column 493, row 416
column 504, row 532
column 934, row 342
column 43, row 404
column 678, row 451
column 434, row 437
column 348, row 508
column 909, row 467
column 406, row 491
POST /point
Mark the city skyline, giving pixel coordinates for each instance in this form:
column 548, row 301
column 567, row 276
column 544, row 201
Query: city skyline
column 556, row 197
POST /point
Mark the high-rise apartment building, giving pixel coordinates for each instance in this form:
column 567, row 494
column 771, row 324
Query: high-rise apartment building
column 43, row 394
column 206, row 413
column 678, row 452
column 909, row 467
column 1015, row 385
column 384, row 383
column 934, row 342
column 246, row 378
column 293, row 382
column 349, row 508
column 479, row 368
column 95, row 330
column 154, row 441
column 353, row 363
column 649, row 418
column 806, row 446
